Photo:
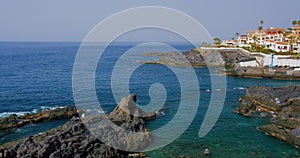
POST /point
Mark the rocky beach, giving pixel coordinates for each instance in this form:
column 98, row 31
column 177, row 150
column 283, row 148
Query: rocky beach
column 282, row 105
column 75, row 139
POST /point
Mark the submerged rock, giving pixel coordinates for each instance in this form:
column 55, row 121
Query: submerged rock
column 284, row 106
column 77, row 139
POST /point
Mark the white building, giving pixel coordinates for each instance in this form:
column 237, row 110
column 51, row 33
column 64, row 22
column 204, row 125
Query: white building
column 243, row 41
column 279, row 46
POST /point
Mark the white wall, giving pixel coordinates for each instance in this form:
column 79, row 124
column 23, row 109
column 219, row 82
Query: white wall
column 266, row 60
column 248, row 63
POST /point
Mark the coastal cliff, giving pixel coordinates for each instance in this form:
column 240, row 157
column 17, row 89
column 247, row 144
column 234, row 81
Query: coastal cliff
column 74, row 139
column 201, row 58
column 282, row 105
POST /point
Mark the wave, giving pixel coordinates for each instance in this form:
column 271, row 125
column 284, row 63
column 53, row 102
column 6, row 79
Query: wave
column 95, row 110
column 37, row 110
column 34, row 111
column 238, row 88
column 19, row 113
column 51, row 107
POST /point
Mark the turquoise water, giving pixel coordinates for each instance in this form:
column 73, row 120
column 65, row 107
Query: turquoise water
column 233, row 135
column 35, row 76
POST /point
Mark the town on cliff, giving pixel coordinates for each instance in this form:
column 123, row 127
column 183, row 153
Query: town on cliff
column 276, row 40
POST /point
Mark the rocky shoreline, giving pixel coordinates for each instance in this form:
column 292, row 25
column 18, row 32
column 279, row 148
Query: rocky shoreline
column 227, row 60
column 13, row 121
column 282, row 105
column 77, row 139
column 199, row 58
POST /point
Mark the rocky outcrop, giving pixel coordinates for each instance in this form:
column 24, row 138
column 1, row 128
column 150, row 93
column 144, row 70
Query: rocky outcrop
column 259, row 100
column 78, row 139
column 227, row 58
column 201, row 58
column 128, row 111
column 283, row 104
column 14, row 121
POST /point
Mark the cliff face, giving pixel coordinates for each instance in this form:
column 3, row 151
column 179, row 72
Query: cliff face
column 281, row 104
column 201, row 58
column 74, row 139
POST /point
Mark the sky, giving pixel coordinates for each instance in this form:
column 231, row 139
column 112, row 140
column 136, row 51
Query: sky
column 71, row 20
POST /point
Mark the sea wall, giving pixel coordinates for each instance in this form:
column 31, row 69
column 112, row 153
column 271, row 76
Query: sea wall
column 279, row 60
column 266, row 72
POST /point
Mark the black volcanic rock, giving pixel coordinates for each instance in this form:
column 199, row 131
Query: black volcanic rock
column 15, row 121
column 261, row 99
column 198, row 57
column 128, row 111
column 77, row 139
column 283, row 104
column 8, row 122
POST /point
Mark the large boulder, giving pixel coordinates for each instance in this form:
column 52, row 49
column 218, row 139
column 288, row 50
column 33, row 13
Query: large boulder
column 128, row 111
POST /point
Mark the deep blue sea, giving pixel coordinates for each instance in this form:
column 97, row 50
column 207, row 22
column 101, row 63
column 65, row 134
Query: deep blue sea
column 38, row 75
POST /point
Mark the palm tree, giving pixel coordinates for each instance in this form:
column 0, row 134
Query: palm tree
column 261, row 23
column 217, row 41
column 294, row 22
column 291, row 42
column 237, row 35
column 260, row 28
column 254, row 38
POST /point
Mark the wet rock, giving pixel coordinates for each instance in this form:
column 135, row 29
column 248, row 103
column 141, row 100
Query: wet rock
column 284, row 105
column 267, row 99
column 9, row 122
column 14, row 121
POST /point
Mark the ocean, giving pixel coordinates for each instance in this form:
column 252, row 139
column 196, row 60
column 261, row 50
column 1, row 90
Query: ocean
column 38, row 75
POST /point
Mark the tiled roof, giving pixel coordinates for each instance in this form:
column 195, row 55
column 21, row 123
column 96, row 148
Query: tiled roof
column 282, row 43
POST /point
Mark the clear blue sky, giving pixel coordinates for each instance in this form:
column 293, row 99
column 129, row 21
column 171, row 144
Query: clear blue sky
column 71, row 20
